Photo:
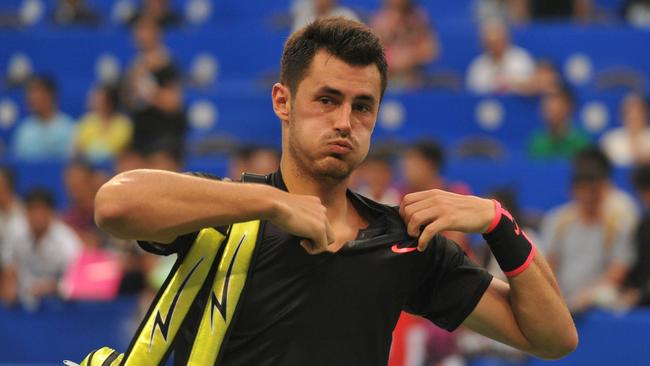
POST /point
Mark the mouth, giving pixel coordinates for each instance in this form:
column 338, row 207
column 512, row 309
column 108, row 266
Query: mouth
column 340, row 146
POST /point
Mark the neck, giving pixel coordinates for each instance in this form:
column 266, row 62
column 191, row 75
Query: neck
column 6, row 204
column 46, row 115
column 589, row 214
column 560, row 130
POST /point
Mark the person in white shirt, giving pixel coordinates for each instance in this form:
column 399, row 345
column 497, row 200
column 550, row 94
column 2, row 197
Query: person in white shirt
column 630, row 143
column 11, row 209
column 39, row 249
column 502, row 66
column 306, row 11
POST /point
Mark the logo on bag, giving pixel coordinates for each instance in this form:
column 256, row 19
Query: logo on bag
column 164, row 325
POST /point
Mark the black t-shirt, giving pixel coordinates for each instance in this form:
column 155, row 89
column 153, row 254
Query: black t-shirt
column 340, row 308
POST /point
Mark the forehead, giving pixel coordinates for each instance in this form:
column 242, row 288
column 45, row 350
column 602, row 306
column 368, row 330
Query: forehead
column 328, row 70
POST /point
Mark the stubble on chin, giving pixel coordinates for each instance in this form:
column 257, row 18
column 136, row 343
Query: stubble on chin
column 333, row 168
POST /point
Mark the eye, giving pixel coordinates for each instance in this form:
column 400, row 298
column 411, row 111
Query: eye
column 325, row 100
column 361, row 107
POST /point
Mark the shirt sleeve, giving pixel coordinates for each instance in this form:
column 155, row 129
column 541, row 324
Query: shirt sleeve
column 623, row 249
column 449, row 287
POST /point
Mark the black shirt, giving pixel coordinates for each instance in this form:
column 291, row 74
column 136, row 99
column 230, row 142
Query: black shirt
column 340, row 308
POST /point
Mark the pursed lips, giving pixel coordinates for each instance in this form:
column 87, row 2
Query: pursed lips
column 343, row 143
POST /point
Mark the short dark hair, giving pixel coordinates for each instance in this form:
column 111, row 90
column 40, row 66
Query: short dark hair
column 44, row 81
column 591, row 165
column 112, row 95
column 430, row 150
column 40, row 195
column 348, row 40
column 641, row 177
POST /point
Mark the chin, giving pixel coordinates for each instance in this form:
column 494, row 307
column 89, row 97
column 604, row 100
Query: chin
column 333, row 167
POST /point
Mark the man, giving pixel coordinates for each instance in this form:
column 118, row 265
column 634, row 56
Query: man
column 637, row 292
column 156, row 103
column 502, row 67
column 11, row 210
column 560, row 138
column 305, row 12
column 38, row 252
column 588, row 239
column 47, row 133
column 338, row 306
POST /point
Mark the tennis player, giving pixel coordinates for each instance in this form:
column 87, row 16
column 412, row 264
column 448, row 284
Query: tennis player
column 332, row 270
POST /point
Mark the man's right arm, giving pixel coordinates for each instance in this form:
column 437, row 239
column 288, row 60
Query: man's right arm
column 158, row 206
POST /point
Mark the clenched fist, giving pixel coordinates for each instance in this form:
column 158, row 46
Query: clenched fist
column 306, row 217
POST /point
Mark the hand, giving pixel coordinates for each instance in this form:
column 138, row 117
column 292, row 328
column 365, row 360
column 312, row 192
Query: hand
column 305, row 217
column 428, row 213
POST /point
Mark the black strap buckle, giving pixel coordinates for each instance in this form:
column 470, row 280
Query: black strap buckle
column 255, row 178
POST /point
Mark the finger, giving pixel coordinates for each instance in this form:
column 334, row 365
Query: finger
column 429, row 232
column 419, row 196
column 429, row 200
column 329, row 232
column 421, row 218
column 310, row 247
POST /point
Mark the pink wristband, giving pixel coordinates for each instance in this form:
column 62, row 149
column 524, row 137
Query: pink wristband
column 496, row 218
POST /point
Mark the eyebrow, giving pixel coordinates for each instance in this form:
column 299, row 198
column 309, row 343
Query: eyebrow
column 338, row 93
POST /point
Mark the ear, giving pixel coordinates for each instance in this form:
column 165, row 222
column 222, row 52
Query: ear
column 281, row 97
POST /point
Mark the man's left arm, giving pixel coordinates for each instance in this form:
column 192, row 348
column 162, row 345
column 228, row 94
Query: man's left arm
column 528, row 312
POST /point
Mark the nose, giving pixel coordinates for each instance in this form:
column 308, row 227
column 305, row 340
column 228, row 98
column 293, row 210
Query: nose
column 342, row 123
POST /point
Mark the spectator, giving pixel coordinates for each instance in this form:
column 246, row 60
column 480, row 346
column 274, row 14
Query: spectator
column 103, row 133
column 638, row 280
column 70, row 12
column 46, row 133
column 560, row 138
column 305, row 12
column 154, row 90
column 637, row 12
column 502, row 66
column 546, row 79
column 263, row 160
column 11, row 209
column 252, row 159
column 511, row 11
column 81, row 185
column 551, row 9
column 588, row 245
column 630, row 143
column 618, row 203
column 158, row 11
column 38, row 252
column 422, row 165
column 238, row 162
column 409, row 42
column 377, row 179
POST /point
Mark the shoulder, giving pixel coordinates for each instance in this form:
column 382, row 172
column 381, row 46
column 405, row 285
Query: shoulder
column 558, row 215
column 613, row 138
column 480, row 61
column 122, row 120
column 64, row 119
column 27, row 124
column 64, row 233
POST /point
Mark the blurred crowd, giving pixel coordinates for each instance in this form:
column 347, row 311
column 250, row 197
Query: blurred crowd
column 598, row 243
